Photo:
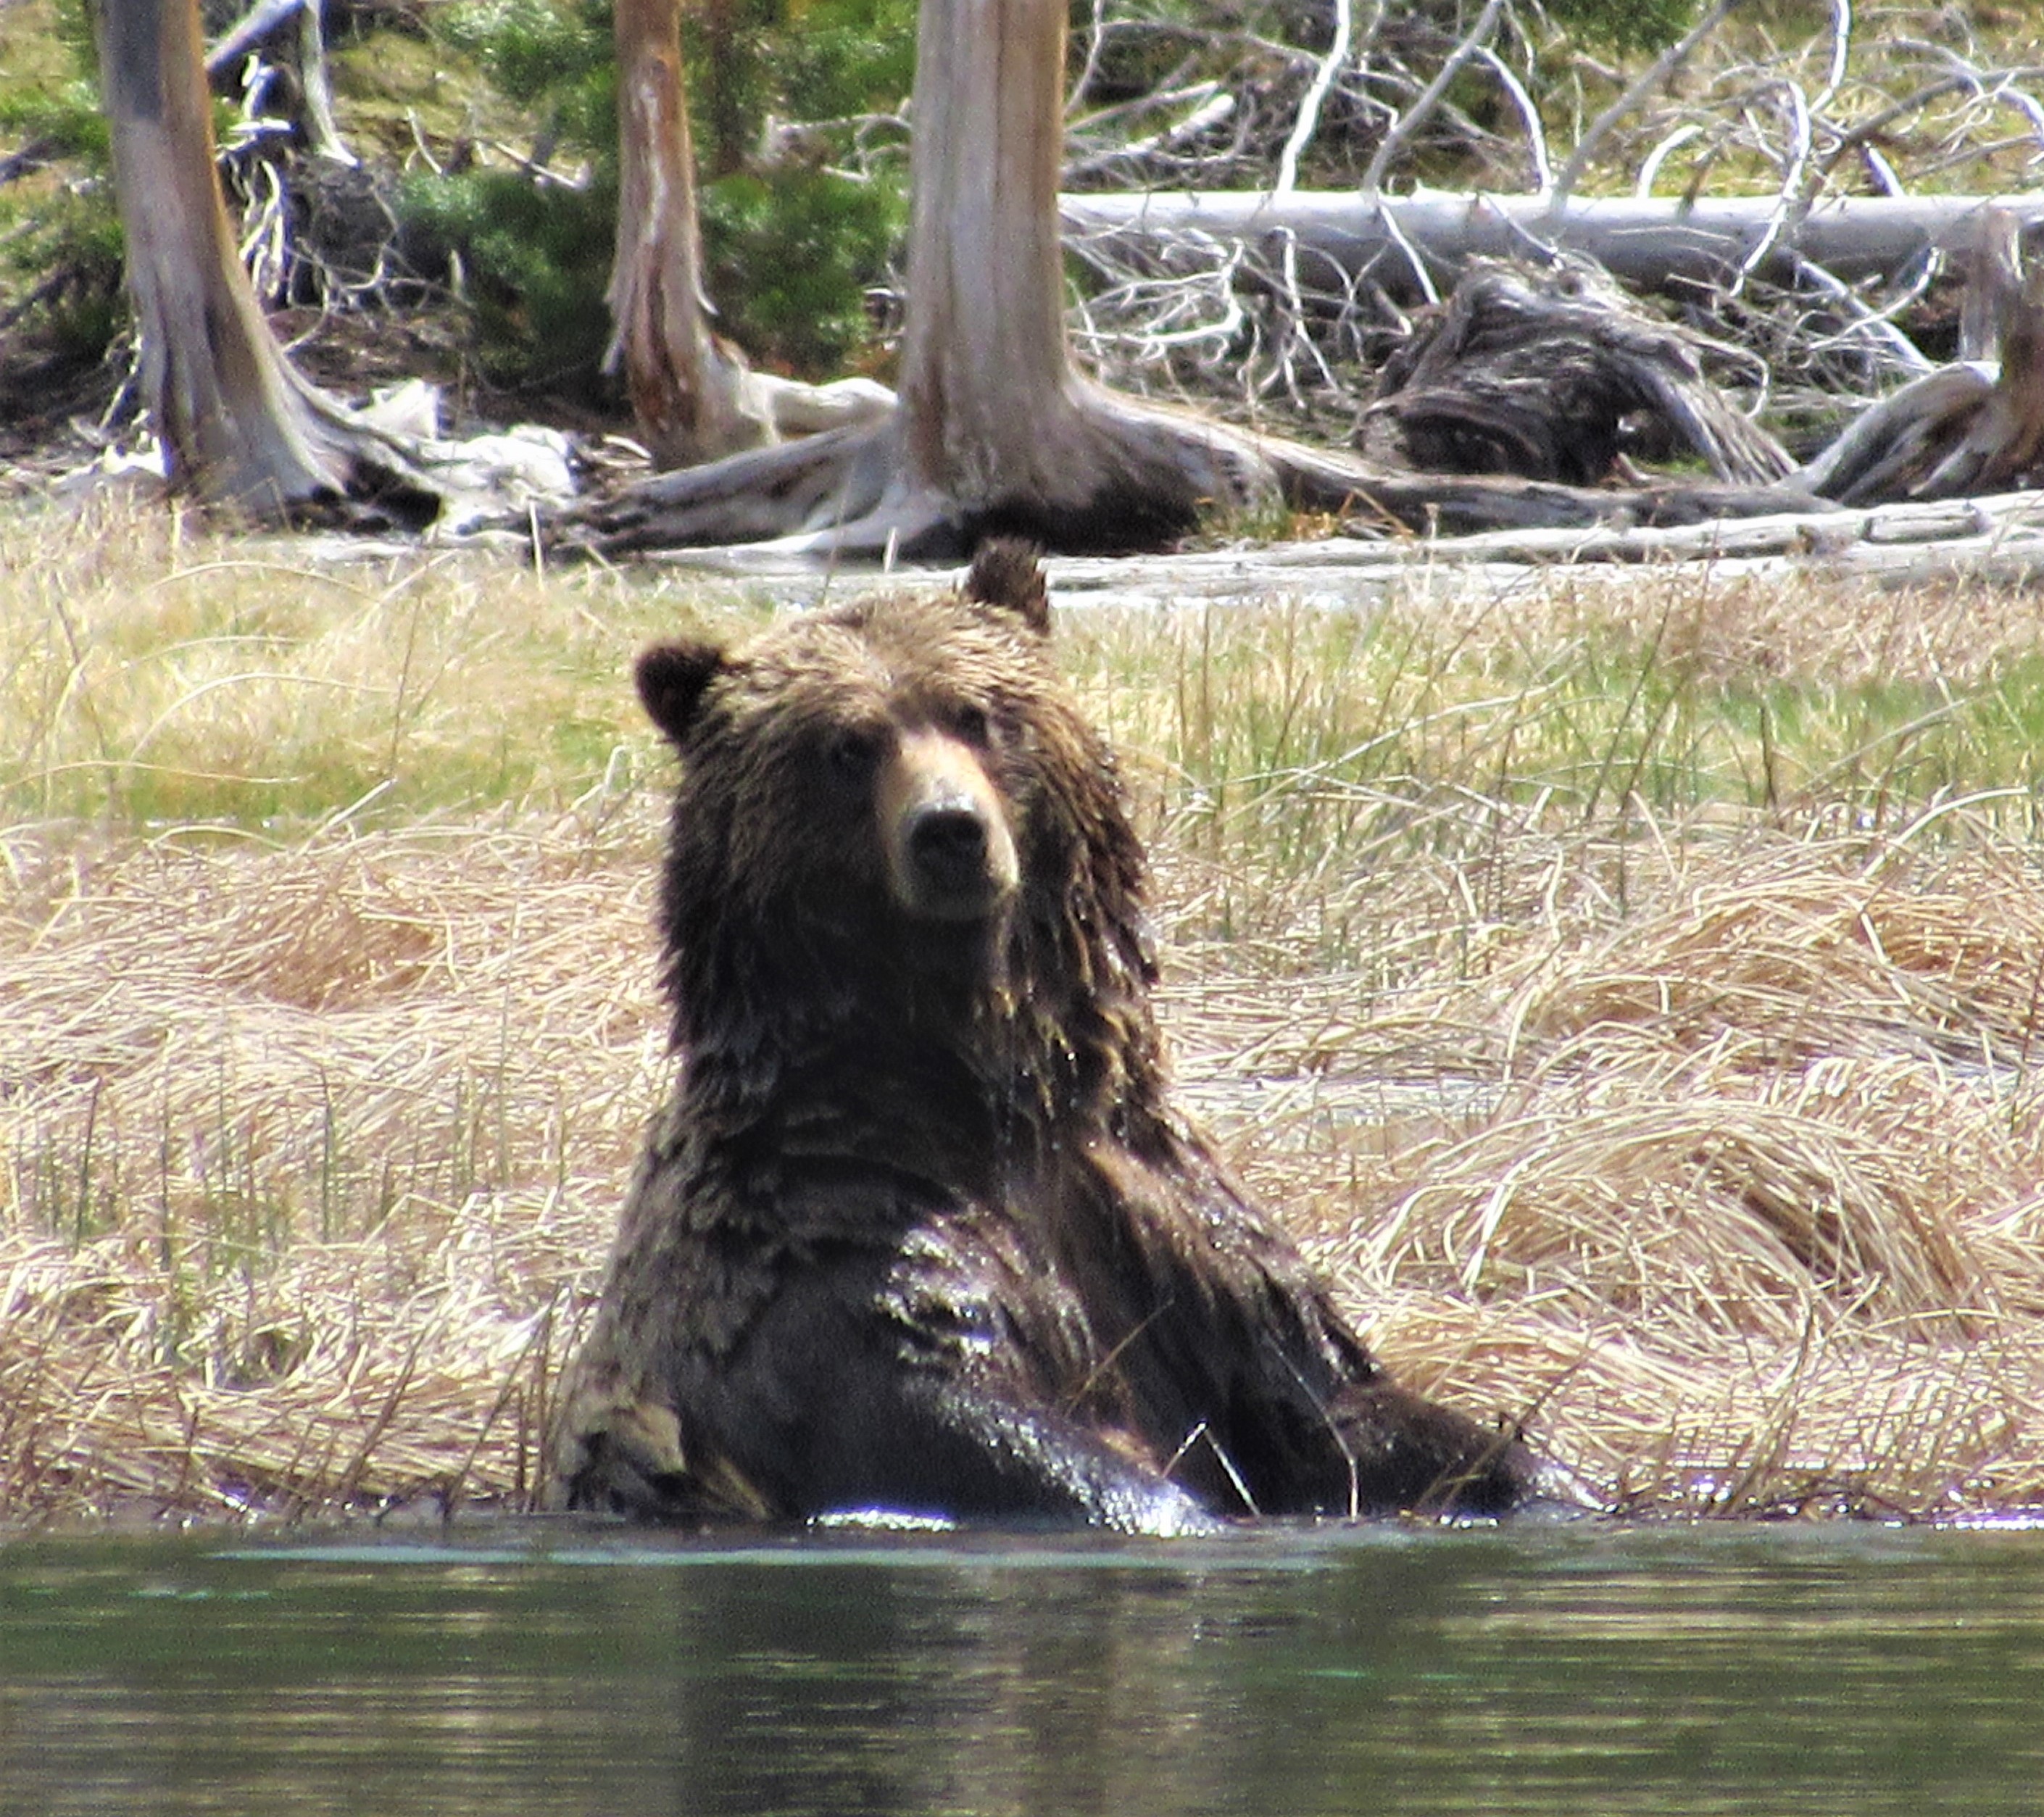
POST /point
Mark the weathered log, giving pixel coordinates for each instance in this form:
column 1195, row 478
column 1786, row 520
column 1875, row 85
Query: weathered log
column 1540, row 373
column 1998, row 539
column 1647, row 242
column 1449, row 505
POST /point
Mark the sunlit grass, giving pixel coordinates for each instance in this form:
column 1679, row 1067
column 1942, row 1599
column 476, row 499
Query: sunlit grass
column 1590, row 706
column 151, row 679
column 154, row 676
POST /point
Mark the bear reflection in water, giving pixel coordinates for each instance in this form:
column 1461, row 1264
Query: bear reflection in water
column 921, row 1228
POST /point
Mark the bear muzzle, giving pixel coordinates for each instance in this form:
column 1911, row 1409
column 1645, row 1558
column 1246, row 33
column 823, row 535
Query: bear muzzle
column 951, row 856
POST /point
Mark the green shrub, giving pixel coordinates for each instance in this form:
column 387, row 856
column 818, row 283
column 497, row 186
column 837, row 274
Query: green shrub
column 533, row 260
column 790, row 258
column 60, row 230
column 790, row 250
column 1625, row 26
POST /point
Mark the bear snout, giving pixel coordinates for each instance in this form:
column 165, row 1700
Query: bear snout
column 951, row 856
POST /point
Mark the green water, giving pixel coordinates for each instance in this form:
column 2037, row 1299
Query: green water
column 547, row 1669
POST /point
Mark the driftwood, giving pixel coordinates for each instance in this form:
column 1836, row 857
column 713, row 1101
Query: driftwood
column 1999, row 539
column 1533, row 376
column 1445, row 505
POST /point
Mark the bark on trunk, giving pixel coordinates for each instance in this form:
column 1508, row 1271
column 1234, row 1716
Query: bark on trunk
column 1645, row 243
column 238, row 425
column 690, row 389
column 996, row 420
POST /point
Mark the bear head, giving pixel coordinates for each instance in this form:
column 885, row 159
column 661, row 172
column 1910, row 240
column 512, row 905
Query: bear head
column 892, row 810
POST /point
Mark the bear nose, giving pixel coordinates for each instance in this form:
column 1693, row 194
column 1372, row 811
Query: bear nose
column 948, row 845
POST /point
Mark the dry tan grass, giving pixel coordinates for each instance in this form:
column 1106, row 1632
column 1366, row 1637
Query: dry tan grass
column 1740, row 1202
column 1709, row 1145
column 312, row 1156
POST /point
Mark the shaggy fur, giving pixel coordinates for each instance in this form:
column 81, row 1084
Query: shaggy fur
column 921, row 1229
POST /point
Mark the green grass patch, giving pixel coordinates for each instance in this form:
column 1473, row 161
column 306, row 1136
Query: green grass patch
column 180, row 681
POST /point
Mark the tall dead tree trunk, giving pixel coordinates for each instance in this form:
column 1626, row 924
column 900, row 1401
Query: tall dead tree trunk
column 227, row 408
column 997, row 425
column 695, row 397
column 690, row 389
column 238, row 425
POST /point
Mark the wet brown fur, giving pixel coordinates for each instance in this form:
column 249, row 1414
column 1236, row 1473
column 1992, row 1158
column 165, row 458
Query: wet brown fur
column 920, row 1229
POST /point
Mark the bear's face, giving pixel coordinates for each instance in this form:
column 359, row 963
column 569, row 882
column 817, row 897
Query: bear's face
column 877, row 761
column 895, row 827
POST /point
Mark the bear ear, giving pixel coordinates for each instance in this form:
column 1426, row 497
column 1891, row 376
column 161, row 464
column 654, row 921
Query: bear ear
column 671, row 678
column 1007, row 574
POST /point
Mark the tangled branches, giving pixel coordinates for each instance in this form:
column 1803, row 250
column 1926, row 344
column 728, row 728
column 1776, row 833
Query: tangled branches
column 1899, row 101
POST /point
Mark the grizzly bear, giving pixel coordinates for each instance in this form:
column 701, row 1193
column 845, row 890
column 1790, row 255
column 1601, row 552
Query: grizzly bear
column 921, row 1230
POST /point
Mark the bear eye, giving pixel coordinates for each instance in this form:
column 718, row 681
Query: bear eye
column 970, row 723
column 853, row 754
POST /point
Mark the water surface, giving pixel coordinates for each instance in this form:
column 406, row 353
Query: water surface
column 553, row 1669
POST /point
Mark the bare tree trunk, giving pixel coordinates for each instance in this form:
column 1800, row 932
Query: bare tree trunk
column 995, row 419
column 689, row 389
column 237, row 423
column 695, row 397
column 995, row 430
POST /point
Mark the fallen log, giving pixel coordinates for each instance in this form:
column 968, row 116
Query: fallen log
column 1999, row 540
column 1650, row 242
column 1467, row 504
